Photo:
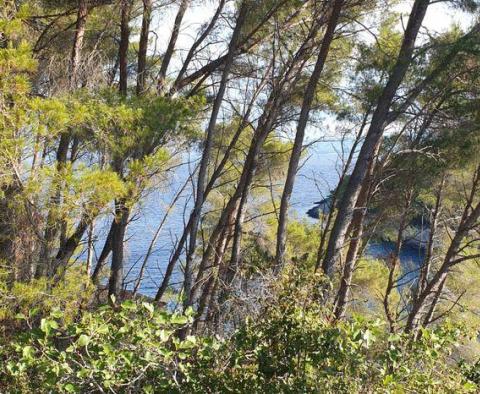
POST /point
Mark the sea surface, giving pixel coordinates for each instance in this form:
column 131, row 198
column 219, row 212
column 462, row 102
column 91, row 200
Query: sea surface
column 317, row 176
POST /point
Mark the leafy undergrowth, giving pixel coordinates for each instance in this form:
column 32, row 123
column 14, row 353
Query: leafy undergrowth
column 294, row 348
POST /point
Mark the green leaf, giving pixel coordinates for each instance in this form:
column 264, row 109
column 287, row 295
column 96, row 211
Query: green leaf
column 47, row 325
column 470, row 386
column 70, row 388
column 129, row 305
column 28, row 352
column 179, row 319
column 149, row 307
column 56, row 313
column 83, row 340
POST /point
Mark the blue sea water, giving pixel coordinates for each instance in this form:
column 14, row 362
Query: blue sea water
column 317, row 176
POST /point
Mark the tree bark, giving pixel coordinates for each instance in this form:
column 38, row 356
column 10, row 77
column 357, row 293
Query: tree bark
column 167, row 57
column 394, row 264
column 202, row 174
column 143, row 46
column 425, row 270
column 374, row 134
column 115, row 283
column 354, row 247
column 75, row 56
column 107, row 248
column 122, row 212
column 52, row 230
column 300, row 134
column 335, row 196
column 123, row 47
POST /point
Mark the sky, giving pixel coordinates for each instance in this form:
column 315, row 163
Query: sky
column 438, row 19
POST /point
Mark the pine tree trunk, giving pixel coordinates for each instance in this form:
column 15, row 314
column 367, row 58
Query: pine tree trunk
column 374, row 134
column 143, row 46
column 167, row 57
column 202, row 174
column 300, row 134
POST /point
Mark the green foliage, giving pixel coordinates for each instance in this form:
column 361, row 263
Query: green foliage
column 35, row 299
column 132, row 349
column 295, row 347
column 303, row 239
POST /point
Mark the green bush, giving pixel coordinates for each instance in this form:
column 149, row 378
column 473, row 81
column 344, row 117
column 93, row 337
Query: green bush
column 35, row 299
column 295, row 347
column 131, row 348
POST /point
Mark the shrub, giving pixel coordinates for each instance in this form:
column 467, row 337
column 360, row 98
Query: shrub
column 131, row 348
column 294, row 346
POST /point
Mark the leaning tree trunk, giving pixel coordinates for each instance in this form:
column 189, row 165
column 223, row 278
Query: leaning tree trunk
column 374, row 134
column 395, row 263
column 277, row 99
column 425, row 270
column 167, row 57
column 143, row 46
column 354, row 247
column 336, row 193
column 468, row 220
column 214, row 177
column 122, row 214
column 300, row 134
column 202, row 173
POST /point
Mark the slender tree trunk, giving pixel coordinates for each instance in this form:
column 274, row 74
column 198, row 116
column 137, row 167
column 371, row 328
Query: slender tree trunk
column 425, row 270
column 237, row 239
column 143, row 46
column 300, row 134
column 429, row 316
column 270, row 112
column 374, row 134
column 52, row 230
column 115, row 283
column 214, row 275
column 90, row 249
column 202, row 174
column 107, row 248
column 335, row 196
column 394, row 264
column 167, row 57
column 53, row 227
column 122, row 212
column 75, row 57
column 354, row 247
column 276, row 100
column 196, row 44
column 469, row 218
column 228, row 272
column 65, row 253
column 245, row 181
column 123, row 47
column 216, row 174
